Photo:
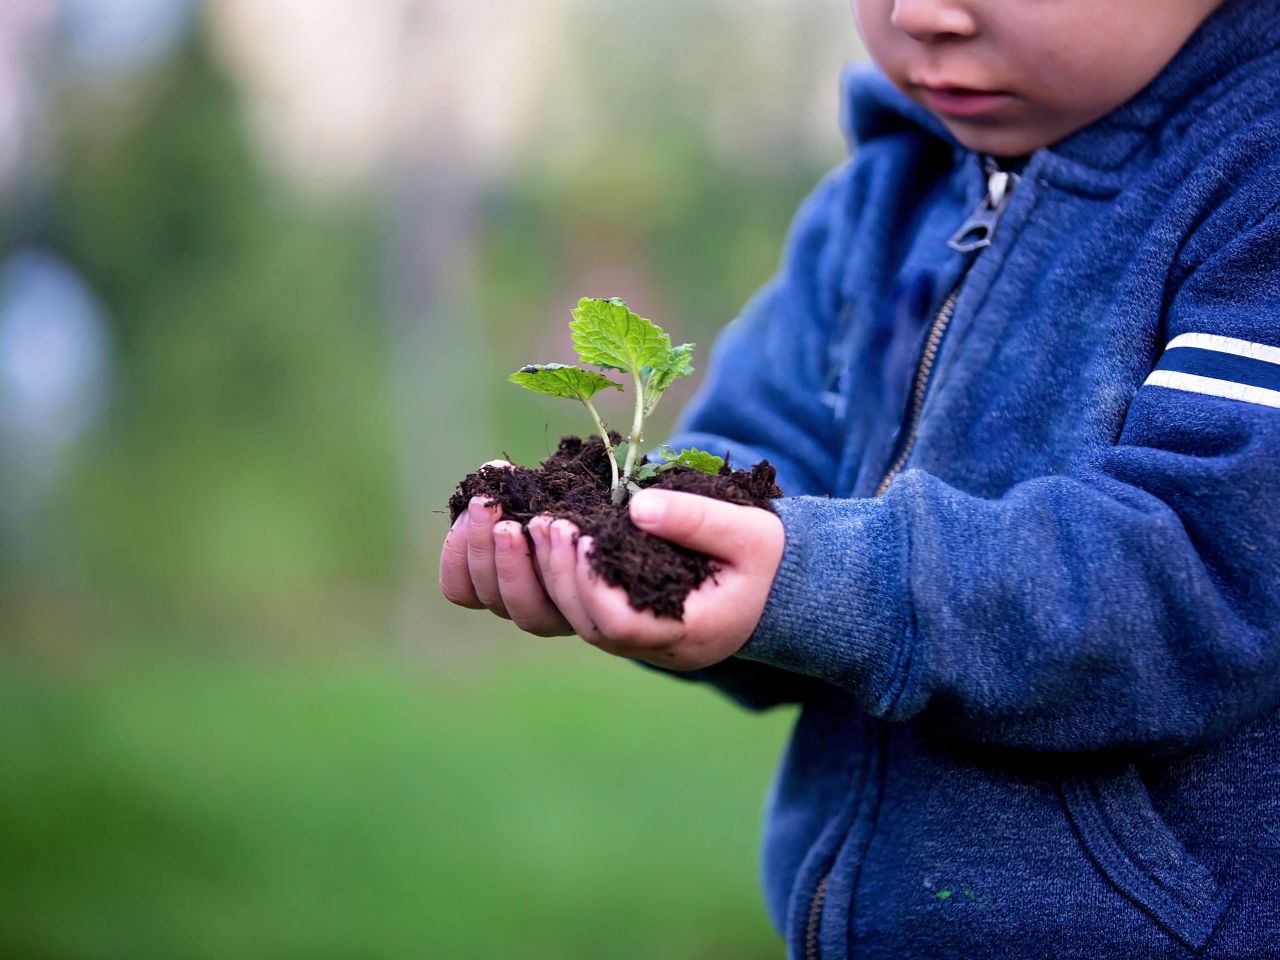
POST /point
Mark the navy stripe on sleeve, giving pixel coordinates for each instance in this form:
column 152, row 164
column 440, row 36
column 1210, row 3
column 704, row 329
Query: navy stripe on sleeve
column 1221, row 366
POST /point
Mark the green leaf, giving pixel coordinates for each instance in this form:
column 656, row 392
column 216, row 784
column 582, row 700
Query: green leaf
column 679, row 363
column 607, row 334
column 562, row 380
column 693, row 457
column 620, row 452
column 647, row 471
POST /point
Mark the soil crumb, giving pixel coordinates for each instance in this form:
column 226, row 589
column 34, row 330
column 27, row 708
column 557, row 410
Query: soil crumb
column 573, row 484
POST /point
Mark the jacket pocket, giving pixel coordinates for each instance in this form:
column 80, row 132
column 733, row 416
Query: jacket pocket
column 1134, row 849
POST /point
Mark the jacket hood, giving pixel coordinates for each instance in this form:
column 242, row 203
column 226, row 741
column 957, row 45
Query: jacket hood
column 1238, row 34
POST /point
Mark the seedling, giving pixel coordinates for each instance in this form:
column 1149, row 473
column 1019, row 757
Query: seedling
column 607, row 335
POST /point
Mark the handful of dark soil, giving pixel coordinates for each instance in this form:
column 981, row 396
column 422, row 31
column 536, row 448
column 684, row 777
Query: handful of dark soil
column 573, row 484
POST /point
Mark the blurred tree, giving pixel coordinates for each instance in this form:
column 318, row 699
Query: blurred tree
column 249, row 445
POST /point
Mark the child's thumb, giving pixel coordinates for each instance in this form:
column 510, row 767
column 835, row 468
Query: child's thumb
column 709, row 526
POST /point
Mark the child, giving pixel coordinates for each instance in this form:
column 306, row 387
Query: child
column 1020, row 375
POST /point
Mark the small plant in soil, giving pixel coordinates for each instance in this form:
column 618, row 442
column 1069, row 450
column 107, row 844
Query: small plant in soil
column 590, row 481
column 609, row 336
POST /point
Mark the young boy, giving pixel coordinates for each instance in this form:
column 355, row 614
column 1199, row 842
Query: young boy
column 1020, row 375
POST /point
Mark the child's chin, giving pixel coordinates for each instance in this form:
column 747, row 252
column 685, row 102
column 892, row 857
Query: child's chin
column 999, row 141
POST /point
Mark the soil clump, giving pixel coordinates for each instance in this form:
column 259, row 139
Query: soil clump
column 573, row 484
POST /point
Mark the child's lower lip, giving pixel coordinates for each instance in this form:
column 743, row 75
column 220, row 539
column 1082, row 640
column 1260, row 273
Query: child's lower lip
column 963, row 103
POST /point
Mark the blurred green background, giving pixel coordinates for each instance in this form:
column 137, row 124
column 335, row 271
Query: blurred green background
column 263, row 269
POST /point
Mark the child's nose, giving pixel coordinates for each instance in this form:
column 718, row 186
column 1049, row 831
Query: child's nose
column 932, row 20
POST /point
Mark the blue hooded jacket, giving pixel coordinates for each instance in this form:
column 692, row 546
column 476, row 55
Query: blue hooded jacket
column 1039, row 669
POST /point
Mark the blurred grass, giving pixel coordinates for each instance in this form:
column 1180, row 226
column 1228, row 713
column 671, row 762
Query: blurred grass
column 549, row 803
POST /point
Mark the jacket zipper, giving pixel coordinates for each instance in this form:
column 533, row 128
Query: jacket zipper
column 815, row 916
column 921, row 385
column 974, row 235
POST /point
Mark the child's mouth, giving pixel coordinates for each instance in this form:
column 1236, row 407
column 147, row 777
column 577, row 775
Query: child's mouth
column 962, row 102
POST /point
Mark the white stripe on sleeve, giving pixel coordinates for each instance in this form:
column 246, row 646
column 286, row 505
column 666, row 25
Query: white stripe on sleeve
column 1239, row 348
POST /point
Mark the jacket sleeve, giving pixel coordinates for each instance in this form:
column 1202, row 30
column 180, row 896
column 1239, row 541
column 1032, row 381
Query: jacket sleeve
column 746, row 405
column 750, row 403
column 1131, row 604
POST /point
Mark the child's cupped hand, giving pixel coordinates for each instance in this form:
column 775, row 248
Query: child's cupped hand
column 745, row 542
column 486, row 563
column 553, row 590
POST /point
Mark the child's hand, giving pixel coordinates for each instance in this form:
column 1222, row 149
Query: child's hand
column 485, row 563
column 719, row 616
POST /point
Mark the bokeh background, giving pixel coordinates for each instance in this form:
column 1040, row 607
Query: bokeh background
column 264, row 265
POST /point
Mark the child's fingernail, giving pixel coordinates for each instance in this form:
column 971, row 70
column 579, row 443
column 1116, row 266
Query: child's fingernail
column 562, row 533
column 647, row 509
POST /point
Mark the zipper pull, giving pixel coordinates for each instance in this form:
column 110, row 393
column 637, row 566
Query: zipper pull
column 980, row 228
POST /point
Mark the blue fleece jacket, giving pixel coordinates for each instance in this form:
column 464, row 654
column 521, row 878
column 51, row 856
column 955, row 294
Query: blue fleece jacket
column 1039, row 673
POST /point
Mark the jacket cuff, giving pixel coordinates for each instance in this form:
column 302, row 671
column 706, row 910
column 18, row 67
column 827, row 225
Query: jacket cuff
column 839, row 608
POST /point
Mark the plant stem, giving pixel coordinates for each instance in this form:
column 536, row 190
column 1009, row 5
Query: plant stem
column 608, row 447
column 637, row 424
